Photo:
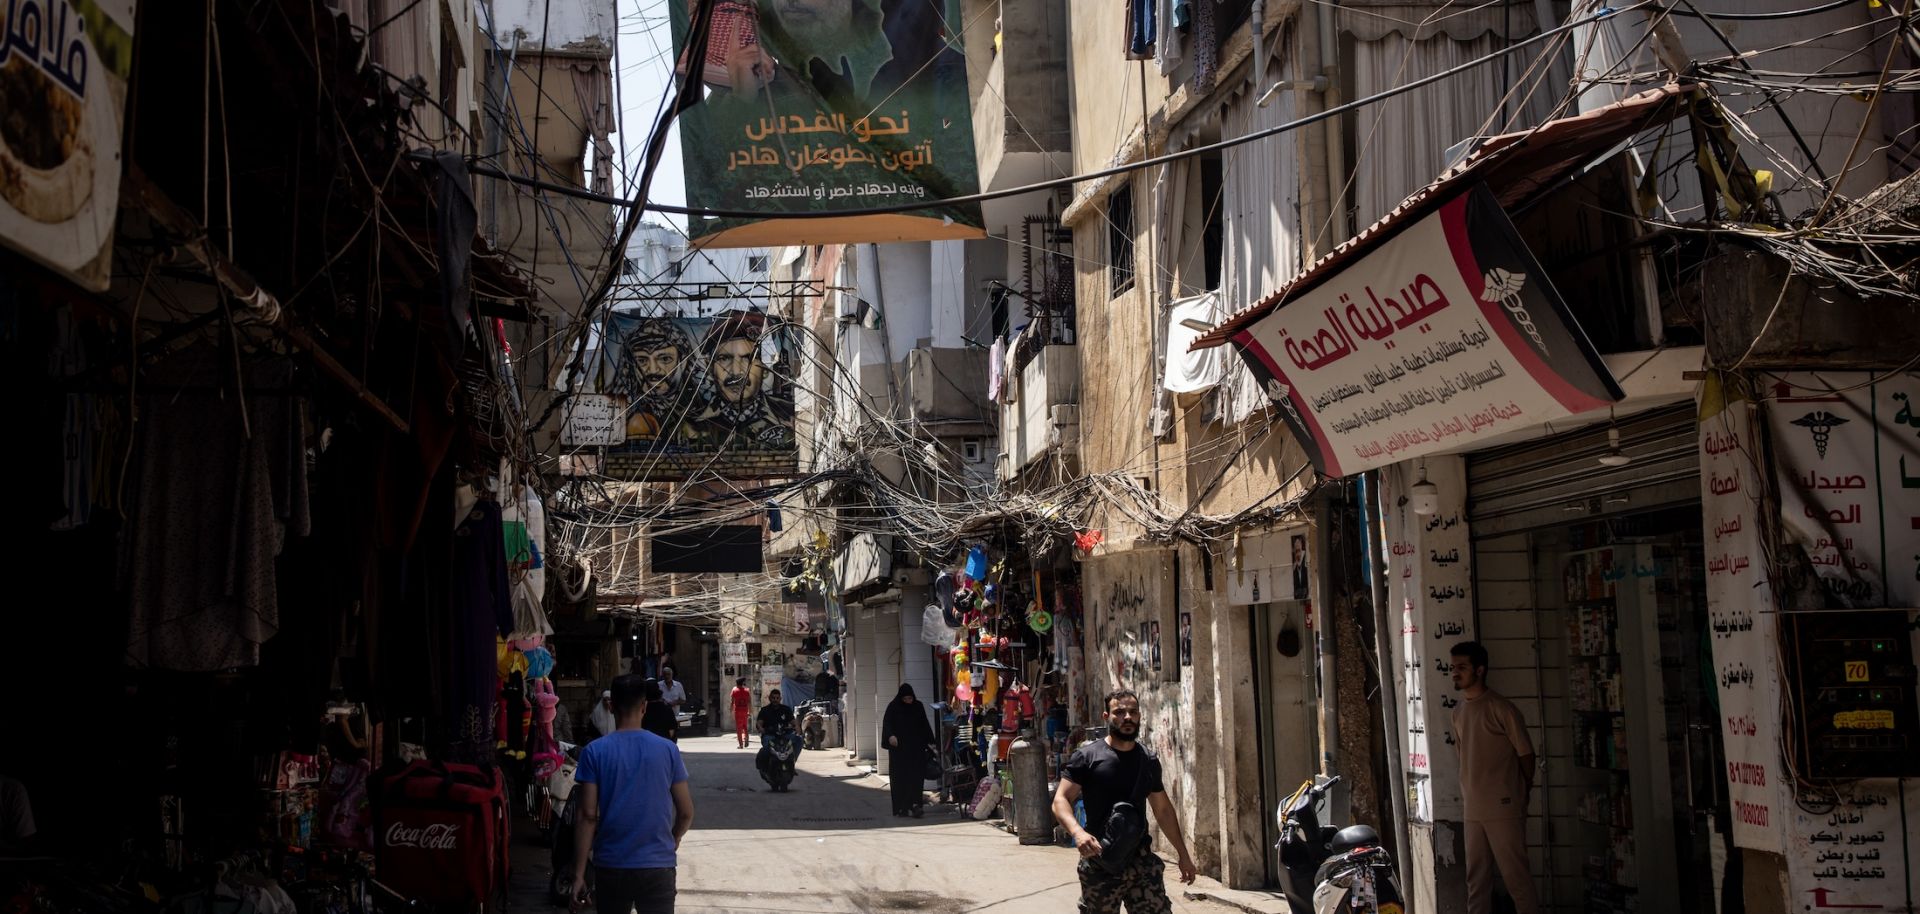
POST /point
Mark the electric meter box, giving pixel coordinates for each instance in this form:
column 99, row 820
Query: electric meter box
column 1854, row 693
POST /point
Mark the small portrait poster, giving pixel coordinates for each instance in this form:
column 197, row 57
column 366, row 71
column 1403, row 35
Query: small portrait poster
column 1153, row 643
column 1186, row 639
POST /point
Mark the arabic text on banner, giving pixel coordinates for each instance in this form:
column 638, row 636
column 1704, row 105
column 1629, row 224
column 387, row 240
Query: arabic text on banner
column 64, row 66
column 1740, row 614
column 1445, row 334
column 1430, row 582
column 829, row 106
column 1847, row 469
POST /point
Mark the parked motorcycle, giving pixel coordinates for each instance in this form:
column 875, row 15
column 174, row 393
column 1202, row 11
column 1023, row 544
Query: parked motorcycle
column 1325, row 870
column 813, row 721
column 779, row 750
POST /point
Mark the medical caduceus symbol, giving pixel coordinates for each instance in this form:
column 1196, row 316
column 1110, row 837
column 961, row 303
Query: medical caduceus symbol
column 1503, row 286
column 1821, row 423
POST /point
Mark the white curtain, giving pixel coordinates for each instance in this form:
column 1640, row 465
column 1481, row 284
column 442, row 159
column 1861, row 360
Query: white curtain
column 1261, row 200
column 1400, row 144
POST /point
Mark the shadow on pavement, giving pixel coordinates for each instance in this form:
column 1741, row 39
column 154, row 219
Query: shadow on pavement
column 825, row 795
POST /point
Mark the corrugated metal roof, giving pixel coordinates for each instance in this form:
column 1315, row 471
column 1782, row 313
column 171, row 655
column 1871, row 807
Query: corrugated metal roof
column 1514, row 166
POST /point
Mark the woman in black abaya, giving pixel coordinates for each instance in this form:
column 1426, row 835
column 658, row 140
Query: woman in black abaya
column 908, row 738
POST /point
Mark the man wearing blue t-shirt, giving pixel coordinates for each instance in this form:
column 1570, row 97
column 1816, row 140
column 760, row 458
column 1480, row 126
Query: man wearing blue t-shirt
column 634, row 808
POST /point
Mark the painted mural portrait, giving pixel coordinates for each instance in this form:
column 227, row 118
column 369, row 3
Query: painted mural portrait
column 711, row 394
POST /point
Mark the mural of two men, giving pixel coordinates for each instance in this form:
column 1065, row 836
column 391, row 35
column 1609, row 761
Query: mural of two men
column 715, row 384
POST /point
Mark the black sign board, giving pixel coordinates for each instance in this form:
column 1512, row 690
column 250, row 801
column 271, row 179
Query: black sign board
column 727, row 549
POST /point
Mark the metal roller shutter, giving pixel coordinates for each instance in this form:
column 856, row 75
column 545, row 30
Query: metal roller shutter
column 1560, row 479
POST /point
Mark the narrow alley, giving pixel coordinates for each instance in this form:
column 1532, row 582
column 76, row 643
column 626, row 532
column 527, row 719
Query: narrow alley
column 830, row 846
column 1385, row 456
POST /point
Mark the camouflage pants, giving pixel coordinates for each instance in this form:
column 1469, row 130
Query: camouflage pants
column 1142, row 887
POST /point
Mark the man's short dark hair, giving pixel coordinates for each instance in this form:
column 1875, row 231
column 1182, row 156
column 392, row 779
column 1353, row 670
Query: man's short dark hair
column 1118, row 694
column 1474, row 651
column 629, row 693
column 773, row 695
column 741, row 682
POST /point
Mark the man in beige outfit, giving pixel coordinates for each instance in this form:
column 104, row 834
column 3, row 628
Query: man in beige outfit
column 1496, row 778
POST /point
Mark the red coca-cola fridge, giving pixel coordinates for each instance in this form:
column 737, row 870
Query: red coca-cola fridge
column 441, row 832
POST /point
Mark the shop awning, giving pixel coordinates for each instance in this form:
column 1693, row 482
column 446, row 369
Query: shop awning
column 1514, row 166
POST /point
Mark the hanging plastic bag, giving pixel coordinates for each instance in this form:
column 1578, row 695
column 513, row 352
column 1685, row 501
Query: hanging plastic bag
column 934, row 629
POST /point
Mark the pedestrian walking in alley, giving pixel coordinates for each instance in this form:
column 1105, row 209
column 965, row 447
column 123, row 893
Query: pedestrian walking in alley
column 909, row 741
column 602, row 718
column 742, row 701
column 1496, row 780
column 634, row 809
column 672, row 691
column 659, row 720
column 1116, row 778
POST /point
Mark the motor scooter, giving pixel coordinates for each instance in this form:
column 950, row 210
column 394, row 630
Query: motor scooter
column 779, row 750
column 1325, row 870
column 813, row 721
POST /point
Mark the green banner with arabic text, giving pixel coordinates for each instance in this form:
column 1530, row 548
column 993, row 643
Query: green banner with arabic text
column 828, row 105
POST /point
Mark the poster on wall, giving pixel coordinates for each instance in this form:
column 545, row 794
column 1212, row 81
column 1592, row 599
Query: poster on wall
column 816, row 105
column 1430, row 581
column 64, row 66
column 1444, row 335
column 703, row 395
column 733, row 653
column 1741, row 619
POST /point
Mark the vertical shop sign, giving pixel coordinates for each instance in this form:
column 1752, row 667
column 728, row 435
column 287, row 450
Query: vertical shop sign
column 818, row 106
column 64, row 66
column 1847, row 449
column 1847, row 469
column 1740, row 613
column 1430, row 580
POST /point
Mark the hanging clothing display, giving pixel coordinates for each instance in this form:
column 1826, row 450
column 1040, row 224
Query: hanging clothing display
column 221, row 484
column 1174, row 16
column 1206, row 46
column 482, row 613
column 1142, row 18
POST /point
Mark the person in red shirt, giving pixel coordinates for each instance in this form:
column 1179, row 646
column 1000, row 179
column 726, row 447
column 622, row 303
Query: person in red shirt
column 742, row 708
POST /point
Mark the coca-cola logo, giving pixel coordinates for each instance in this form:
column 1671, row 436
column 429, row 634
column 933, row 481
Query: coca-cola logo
column 438, row 837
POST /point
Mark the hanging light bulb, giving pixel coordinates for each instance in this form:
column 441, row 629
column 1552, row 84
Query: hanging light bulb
column 1424, row 496
column 1614, row 457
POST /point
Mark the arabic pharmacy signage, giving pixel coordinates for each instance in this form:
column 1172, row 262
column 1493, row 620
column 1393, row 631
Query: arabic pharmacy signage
column 64, row 66
column 815, row 105
column 1445, row 334
column 1430, row 582
column 1740, row 612
column 1847, row 451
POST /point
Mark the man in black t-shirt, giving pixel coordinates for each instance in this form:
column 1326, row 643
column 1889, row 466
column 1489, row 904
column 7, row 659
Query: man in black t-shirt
column 1104, row 773
column 773, row 714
